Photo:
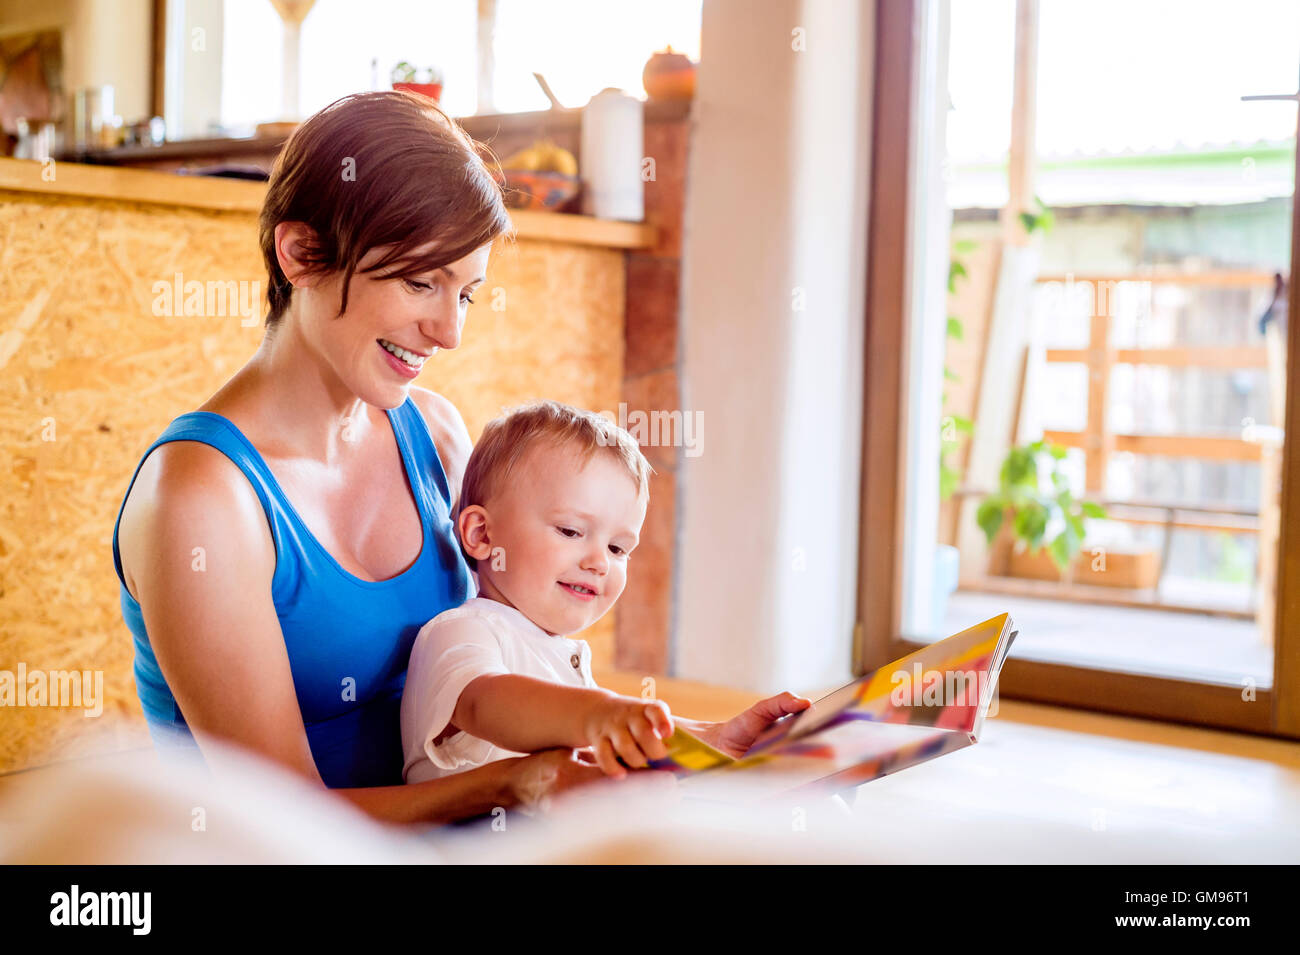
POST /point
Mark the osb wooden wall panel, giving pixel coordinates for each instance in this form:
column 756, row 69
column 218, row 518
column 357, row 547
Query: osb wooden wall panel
column 89, row 377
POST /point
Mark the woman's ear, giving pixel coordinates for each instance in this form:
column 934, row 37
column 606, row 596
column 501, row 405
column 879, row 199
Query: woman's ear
column 472, row 526
column 290, row 252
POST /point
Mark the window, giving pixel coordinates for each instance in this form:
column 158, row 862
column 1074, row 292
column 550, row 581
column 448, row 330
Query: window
column 225, row 58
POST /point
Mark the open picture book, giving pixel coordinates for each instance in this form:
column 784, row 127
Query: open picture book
column 928, row 703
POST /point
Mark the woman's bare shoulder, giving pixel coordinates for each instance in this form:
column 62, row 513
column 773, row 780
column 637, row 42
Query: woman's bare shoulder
column 450, row 435
column 190, row 489
column 179, row 469
column 188, row 467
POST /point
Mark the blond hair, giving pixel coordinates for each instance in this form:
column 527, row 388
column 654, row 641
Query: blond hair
column 505, row 440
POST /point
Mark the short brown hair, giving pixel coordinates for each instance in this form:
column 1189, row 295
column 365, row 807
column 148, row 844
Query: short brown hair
column 416, row 178
column 505, row 440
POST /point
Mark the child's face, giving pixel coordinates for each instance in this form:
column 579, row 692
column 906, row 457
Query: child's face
column 557, row 524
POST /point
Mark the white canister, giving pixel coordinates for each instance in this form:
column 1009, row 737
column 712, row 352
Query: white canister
column 612, row 152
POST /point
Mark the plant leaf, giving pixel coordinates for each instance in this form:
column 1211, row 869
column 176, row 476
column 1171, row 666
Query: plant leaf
column 989, row 516
column 1031, row 523
column 955, row 271
column 1059, row 550
column 1019, row 469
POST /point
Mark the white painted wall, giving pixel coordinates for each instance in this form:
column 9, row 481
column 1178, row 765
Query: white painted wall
column 195, row 46
column 776, row 201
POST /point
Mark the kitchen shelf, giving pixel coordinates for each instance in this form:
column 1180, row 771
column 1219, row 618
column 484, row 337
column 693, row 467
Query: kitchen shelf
column 232, row 195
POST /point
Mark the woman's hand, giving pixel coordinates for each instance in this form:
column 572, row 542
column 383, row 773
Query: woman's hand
column 535, row 779
column 736, row 735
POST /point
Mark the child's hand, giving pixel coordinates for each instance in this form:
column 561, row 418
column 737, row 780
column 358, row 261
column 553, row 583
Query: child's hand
column 632, row 729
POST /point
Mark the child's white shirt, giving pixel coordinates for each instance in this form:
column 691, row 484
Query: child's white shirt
column 478, row 638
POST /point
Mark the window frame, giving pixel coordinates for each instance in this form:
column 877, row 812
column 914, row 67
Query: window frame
column 1271, row 711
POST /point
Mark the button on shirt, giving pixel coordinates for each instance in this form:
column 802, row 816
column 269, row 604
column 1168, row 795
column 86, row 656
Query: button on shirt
column 478, row 638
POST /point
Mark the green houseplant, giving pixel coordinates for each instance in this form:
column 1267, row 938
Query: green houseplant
column 1032, row 508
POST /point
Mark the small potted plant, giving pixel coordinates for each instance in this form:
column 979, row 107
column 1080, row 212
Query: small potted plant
column 404, row 77
column 1030, row 510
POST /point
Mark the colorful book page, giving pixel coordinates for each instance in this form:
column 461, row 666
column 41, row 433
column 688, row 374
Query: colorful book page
column 923, row 705
column 898, row 692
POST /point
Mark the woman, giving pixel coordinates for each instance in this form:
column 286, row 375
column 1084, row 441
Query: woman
column 281, row 548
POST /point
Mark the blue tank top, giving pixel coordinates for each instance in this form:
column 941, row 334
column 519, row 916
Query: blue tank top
column 348, row 639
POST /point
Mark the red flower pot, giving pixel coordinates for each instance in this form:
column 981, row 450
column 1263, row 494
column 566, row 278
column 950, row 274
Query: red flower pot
column 431, row 90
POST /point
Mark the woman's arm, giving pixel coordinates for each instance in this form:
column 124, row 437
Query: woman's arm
column 214, row 630
column 195, row 543
column 523, row 780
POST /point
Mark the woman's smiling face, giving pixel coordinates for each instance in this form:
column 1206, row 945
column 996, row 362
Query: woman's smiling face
column 391, row 326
